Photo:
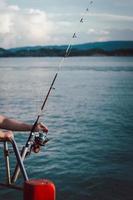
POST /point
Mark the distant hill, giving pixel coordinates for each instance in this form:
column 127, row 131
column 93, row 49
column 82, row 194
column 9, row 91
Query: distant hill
column 4, row 52
column 107, row 46
column 110, row 48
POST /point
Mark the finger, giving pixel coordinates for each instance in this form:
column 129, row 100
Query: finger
column 44, row 128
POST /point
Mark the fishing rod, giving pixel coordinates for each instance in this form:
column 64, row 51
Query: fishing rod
column 35, row 141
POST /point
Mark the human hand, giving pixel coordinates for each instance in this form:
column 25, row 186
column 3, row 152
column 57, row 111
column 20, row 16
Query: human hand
column 6, row 135
column 40, row 127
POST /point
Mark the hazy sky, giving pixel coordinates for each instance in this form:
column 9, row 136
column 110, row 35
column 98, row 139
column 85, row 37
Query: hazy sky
column 46, row 22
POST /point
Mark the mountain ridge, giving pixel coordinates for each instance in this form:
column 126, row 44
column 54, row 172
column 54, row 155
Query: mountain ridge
column 108, row 48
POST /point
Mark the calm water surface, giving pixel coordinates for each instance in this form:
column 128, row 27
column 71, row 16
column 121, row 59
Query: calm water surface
column 90, row 120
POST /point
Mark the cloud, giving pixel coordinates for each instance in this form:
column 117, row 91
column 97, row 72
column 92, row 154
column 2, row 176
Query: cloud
column 98, row 35
column 20, row 27
column 98, row 32
column 110, row 34
column 112, row 17
column 105, row 26
column 31, row 26
column 3, row 3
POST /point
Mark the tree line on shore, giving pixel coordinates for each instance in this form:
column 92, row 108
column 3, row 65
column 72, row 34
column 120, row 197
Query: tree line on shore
column 114, row 48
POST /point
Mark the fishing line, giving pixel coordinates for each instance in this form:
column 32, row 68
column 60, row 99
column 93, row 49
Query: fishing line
column 74, row 36
column 60, row 65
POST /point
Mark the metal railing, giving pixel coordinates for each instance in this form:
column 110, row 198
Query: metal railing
column 9, row 183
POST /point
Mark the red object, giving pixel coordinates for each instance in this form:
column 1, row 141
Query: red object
column 40, row 189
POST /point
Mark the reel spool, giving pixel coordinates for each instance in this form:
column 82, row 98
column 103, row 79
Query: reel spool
column 39, row 140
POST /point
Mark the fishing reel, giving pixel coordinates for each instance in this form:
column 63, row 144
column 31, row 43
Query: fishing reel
column 39, row 140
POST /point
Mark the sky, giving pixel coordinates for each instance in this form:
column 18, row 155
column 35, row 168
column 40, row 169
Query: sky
column 53, row 22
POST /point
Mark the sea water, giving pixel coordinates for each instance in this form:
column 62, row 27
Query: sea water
column 90, row 119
